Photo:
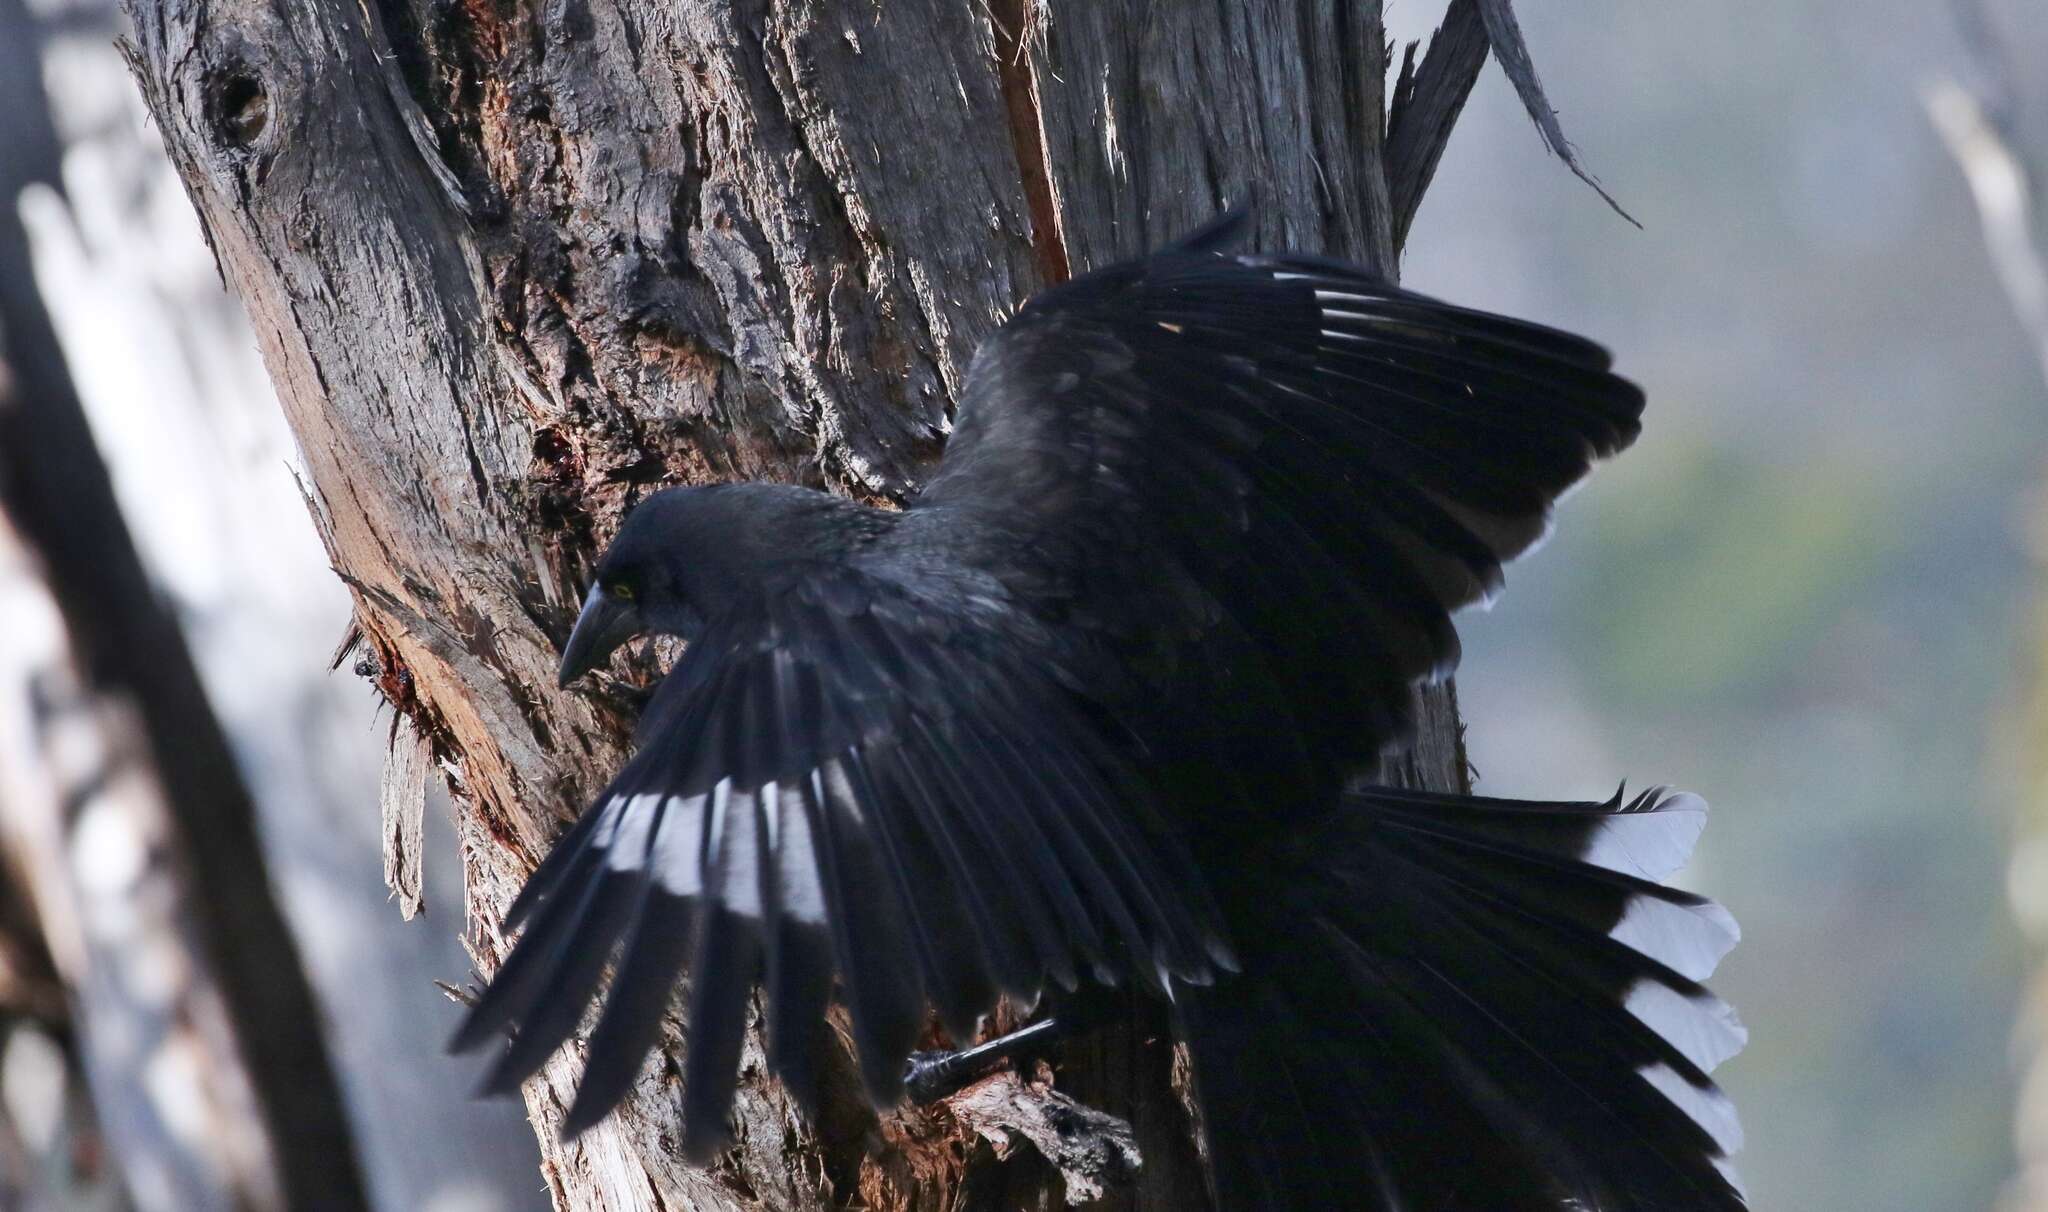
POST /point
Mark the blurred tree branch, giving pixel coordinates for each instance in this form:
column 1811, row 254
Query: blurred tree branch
column 1974, row 117
column 2002, row 185
column 53, row 1153
column 142, row 688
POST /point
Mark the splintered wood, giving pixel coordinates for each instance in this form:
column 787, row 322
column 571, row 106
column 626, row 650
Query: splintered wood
column 403, row 800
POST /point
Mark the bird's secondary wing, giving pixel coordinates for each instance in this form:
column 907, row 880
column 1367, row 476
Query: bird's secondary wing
column 1273, row 475
column 850, row 781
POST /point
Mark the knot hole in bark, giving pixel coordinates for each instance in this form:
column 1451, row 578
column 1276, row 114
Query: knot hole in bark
column 237, row 106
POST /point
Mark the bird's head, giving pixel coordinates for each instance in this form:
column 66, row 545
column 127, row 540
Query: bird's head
column 685, row 555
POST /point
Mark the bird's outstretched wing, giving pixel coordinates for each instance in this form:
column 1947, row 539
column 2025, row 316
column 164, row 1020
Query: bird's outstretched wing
column 1271, row 478
column 852, row 779
column 1199, row 529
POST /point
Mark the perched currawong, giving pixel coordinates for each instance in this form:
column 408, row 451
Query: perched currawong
column 1087, row 712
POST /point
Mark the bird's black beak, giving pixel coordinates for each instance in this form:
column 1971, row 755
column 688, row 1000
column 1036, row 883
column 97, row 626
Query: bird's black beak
column 606, row 623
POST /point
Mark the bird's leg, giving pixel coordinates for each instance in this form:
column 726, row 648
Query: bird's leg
column 931, row 1076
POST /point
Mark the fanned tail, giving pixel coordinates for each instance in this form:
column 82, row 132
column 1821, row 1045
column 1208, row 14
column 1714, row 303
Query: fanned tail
column 1452, row 1002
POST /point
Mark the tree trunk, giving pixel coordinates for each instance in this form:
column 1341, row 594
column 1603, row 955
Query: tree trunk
column 515, row 265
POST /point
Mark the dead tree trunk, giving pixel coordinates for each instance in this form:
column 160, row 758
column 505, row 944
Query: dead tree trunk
column 515, row 264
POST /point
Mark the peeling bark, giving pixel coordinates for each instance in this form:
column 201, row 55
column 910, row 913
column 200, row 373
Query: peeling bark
column 1093, row 1152
column 402, row 801
column 513, row 266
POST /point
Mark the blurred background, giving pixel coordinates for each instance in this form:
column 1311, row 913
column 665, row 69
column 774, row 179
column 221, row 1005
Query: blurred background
column 1813, row 592
column 202, row 464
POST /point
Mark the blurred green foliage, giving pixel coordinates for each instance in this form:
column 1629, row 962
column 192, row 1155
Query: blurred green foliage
column 1725, row 573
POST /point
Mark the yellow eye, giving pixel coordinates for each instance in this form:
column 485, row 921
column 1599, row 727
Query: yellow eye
column 619, row 590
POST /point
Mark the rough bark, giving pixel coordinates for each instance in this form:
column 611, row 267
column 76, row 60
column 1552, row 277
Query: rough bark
column 513, row 265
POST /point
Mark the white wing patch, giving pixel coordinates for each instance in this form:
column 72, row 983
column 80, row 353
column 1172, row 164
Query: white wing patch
column 1703, row 1027
column 716, row 844
column 714, row 836
column 679, row 846
column 1688, row 939
column 1709, row 1108
column 624, row 833
column 832, row 775
column 1651, row 844
column 737, row 846
column 796, row 863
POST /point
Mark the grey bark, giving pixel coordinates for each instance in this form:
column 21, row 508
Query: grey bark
column 1426, row 105
column 515, row 265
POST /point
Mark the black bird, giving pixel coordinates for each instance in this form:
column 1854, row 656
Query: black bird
column 1091, row 711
